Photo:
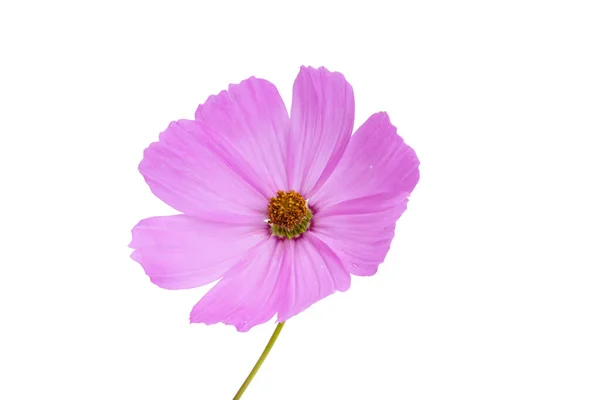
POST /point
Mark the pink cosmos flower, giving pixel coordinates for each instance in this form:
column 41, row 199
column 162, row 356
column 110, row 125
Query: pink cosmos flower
column 281, row 209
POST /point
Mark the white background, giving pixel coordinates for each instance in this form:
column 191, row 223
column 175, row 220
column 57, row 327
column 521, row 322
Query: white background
column 490, row 290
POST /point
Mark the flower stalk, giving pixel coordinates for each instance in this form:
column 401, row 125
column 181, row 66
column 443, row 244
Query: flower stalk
column 260, row 361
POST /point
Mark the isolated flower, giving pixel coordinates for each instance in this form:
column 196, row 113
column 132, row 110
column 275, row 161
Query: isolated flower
column 280, row 209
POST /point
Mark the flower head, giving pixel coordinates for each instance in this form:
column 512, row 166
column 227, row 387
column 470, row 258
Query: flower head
column 280, row 209
column 289, row 215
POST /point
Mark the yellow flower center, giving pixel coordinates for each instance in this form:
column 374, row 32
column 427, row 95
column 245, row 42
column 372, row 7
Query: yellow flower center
column 289, row 215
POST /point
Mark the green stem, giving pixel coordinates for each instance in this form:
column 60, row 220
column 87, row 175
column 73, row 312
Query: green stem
column 260, row 361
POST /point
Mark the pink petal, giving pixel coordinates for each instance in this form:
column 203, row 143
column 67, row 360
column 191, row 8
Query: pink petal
column 278, row 276
column 321, row 124
column 360, row 240
column 228, row 163
column 180, row 251
column 248, row 294
column 252, row 117
column 190, row 169
column 311, row 271
column 357, row 208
